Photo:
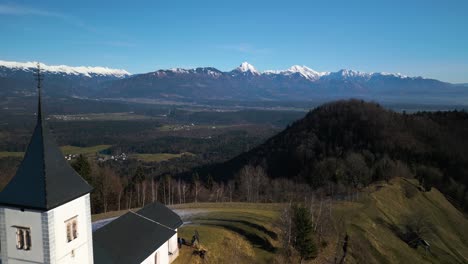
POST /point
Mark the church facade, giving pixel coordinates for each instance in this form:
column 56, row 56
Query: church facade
column 60, row 235
column 45, row 216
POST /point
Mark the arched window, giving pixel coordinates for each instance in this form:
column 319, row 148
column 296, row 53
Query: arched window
column 23, row 238
column 19, row 238
column 72, row 228
column 27, row 239
column 75, row 229
column 69, row 235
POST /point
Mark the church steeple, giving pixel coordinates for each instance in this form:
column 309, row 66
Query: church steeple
column 44, row 179
column 39, row 79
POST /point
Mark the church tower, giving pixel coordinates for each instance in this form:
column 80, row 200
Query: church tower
column 45, row 214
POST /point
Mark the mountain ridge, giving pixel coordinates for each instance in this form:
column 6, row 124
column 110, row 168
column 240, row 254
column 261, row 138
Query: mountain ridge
column 244, row 83
column 65, row 69
column 303, row 71
column 244, row 67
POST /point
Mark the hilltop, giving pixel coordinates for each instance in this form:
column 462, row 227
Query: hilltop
column 354, row 143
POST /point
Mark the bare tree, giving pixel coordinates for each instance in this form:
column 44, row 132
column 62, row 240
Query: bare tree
column 184, row 191
column 107, row 179
column 143, row 193
column 153, row 198
column 285, row 227
column 221, row 191
column 179, row 191
column 129, row 204
column 156, row 190
column 138, row 194
column 252, row 180
column 196, row 186
column 120, row 190
column 168, row 179
column 164, row 190
column 416, row 226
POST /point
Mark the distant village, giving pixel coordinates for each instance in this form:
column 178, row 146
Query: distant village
column 100, row 157
column 69, row 117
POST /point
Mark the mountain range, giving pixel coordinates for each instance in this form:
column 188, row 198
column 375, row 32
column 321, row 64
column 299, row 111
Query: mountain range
column 244, row 83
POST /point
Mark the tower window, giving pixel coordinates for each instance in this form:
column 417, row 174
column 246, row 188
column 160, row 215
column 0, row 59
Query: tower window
column 72, row 228
column 23, row 238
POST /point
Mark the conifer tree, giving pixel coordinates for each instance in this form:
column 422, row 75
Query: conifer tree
column 83, row 168
column 303, row 233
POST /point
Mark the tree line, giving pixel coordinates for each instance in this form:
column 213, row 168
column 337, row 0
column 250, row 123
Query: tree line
column 354, row 143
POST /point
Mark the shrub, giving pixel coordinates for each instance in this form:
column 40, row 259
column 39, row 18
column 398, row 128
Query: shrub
column 409, row 190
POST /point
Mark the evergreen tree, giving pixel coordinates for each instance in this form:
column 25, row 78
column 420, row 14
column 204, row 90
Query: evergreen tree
column 83, row 168
column 303, row 234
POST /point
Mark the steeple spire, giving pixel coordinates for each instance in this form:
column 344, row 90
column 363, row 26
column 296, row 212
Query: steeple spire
column 44, row 180
column 39, row 78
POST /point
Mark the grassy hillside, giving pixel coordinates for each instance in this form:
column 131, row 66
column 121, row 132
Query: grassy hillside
column 374, row 223
column 373, row 220
column 230, row 232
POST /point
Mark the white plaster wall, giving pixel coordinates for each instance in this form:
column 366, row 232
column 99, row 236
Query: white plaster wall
column 173, row 247
column 11, row 217
column 81, row 246
column 163, row 256
column 2, row 234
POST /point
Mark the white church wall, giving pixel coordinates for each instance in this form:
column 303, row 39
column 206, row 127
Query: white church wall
column 162, row 256
column 79, row 250
column 90, row 228
column 11, row 217
column 173, row 247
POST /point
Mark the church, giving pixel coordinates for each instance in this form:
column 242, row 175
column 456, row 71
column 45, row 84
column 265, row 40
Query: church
column 45, row 216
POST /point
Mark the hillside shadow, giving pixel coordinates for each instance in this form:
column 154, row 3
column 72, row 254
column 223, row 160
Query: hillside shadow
column 260, row 228
column 405, row 234
column 256, row 240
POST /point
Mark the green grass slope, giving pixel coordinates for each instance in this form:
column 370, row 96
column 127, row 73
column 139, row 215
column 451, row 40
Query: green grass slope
column 374, row 222
column 231, row 232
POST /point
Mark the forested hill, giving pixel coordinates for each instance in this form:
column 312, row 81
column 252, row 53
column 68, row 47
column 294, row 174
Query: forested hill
column 354, row 143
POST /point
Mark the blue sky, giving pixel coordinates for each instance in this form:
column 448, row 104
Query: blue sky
column 422, row 38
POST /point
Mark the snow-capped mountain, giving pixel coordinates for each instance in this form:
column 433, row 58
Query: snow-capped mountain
column 294, row 71
column 64, row 69
column 246, row 68
column 303, row 71
column 207, row 83
column 17, row 78
column 247, row 83
column 345, row 74
column 209, row 71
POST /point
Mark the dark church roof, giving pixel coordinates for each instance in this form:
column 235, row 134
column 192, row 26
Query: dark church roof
column 158, row 212
column 44, row 179
column 130, row 238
